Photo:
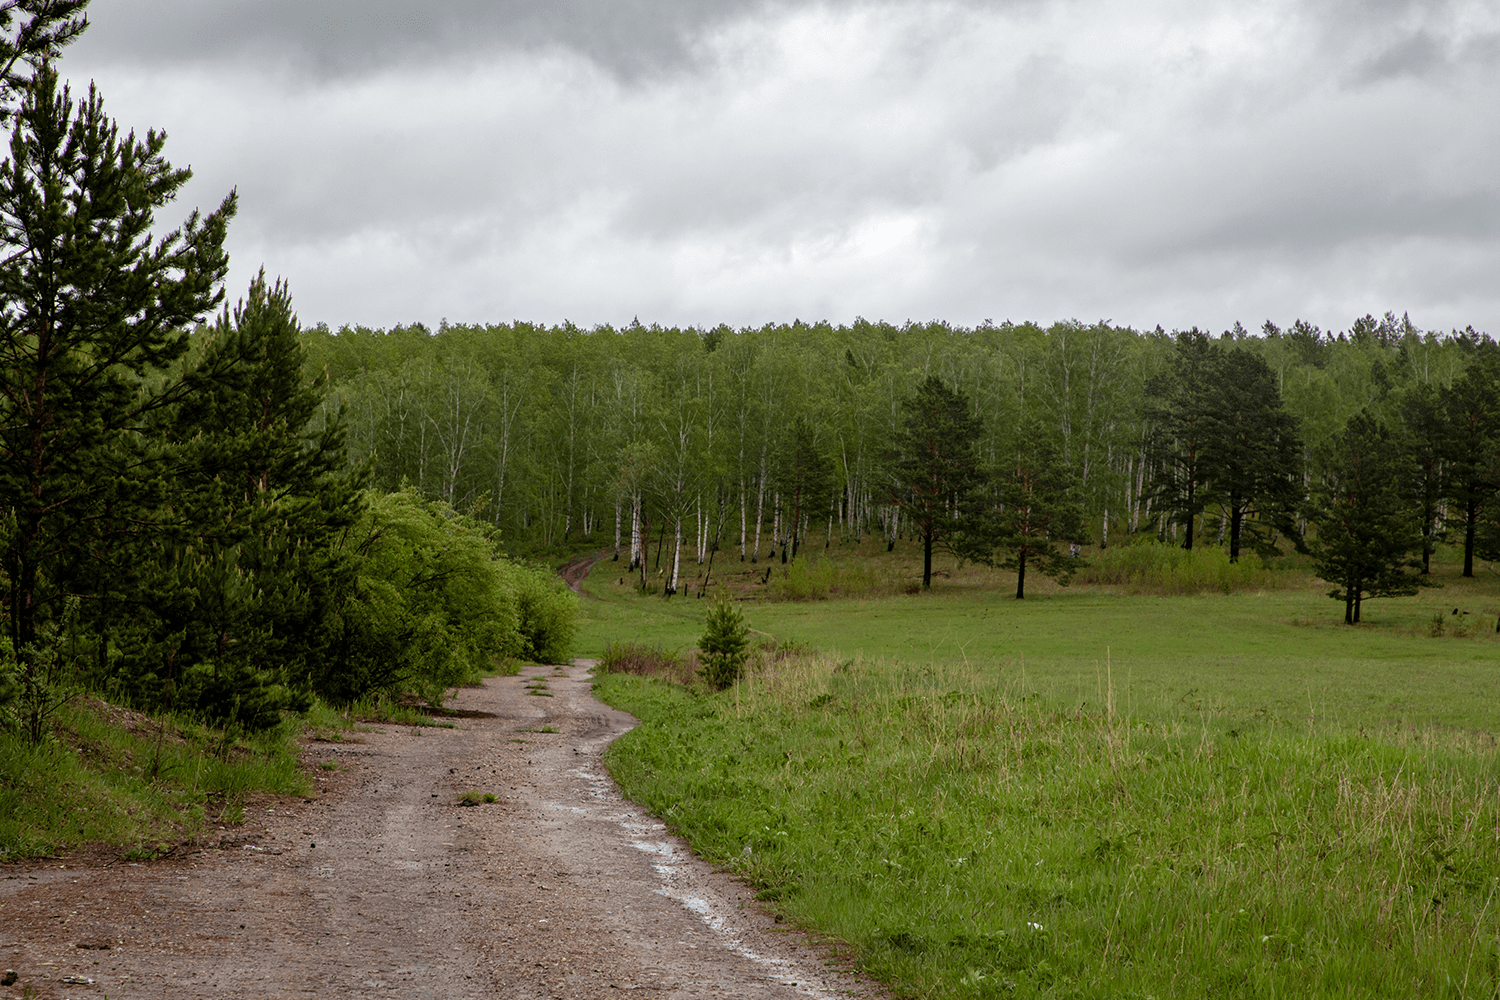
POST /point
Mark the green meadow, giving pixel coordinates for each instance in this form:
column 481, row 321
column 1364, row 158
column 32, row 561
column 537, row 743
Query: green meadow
column 1100, row 791
column 1280, row 655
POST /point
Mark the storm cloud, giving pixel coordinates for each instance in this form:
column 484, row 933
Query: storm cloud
column 1166, row 163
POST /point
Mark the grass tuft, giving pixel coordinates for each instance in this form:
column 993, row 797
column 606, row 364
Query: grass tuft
column 647, row 661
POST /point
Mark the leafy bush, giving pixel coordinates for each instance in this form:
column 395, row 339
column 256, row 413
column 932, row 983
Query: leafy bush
column 436, row 605
column 1163, row 568
column 546, row 614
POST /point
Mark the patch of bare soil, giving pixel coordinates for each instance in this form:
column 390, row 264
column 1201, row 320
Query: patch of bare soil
column 382, row 884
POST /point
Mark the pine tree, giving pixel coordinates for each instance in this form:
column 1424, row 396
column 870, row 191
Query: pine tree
column 31, row 33
column 1177, row 420
column 933, row 470
column 724, row 644
column 1472, row 445
column 1033, row 516
column 1424, row 442
column 805, row 481
column 1251, row 449
column 1220, row 435
column 242, row 582
column 91, row 319
column 1367, row 527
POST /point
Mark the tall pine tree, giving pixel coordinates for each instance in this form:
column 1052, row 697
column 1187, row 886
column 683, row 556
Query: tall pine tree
column 1032, row 516
column 1472, row 445
column 91, row 318
column 1367, row 526
column 932, row 470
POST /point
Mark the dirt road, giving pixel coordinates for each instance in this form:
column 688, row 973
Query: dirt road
column 382, row 885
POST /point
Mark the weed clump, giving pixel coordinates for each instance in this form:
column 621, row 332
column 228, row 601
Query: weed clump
column 646, row 661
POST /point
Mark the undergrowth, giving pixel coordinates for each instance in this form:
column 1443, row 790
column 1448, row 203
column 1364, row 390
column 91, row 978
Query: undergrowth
column 968, row 841
column 819, row 578
column 141, row 783
column 1150, row 567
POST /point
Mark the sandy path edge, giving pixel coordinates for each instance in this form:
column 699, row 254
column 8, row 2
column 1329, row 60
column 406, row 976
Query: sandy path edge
column 381, row 884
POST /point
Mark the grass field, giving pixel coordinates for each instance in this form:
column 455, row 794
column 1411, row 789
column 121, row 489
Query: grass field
column 1280, row 656
column 1099, row 791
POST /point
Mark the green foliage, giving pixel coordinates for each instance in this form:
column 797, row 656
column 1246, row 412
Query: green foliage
column 546, row 614
column 1147, row 566
column 967, row 840
column 819, row 578
column 725, row 644
column 436, row 605
column 1367, row 527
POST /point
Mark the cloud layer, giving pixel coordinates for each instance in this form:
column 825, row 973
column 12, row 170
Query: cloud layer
column 1173, row 162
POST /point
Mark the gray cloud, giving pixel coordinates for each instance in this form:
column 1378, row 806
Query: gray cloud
column 339, row 38
column 1174, row 162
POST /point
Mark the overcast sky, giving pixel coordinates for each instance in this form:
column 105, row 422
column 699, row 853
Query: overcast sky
column 1173, row 162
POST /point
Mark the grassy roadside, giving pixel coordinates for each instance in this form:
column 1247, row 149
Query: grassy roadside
column 971, row 839
column 142, row 785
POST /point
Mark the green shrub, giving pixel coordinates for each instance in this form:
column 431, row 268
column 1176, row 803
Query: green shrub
column 436, row 605
column 724, row 644
column 820, row 578
column 1163, row 568
column 546, row 615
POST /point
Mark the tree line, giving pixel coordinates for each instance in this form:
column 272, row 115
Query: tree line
column 767, row 439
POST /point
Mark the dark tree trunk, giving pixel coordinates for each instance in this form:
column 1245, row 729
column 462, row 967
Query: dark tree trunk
column 1021, row 574
column 927, row 558
column 1192, row 516
column 1236, row 519
column 1471, row 517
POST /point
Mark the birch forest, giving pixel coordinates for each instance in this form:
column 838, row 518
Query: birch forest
column 643, row 435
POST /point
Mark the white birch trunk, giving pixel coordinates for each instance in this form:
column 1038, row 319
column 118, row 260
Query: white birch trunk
column 676, row 552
